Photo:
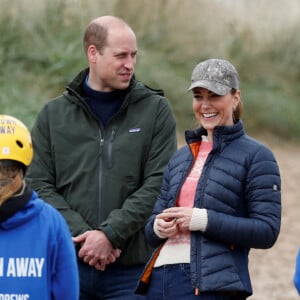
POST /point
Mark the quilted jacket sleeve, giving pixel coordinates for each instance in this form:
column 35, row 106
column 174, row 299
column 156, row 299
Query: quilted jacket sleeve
column 260, row 226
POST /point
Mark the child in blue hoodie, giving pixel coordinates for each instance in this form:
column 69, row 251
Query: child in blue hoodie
column 297, row 273
column 37, row 255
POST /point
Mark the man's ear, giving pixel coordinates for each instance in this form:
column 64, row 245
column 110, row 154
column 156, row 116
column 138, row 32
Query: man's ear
column 92, row 54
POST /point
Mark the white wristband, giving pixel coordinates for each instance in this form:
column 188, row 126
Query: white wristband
column 199, row 219
column 156, row 230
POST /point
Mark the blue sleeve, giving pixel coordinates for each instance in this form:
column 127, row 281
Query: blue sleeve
column 257, row 225
column 65, row 278
column 297, row 273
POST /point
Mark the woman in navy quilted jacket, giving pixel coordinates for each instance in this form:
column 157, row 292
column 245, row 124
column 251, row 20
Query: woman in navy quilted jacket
column 219, row 198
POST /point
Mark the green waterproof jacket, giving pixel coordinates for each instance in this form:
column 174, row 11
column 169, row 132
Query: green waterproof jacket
column 104, row 178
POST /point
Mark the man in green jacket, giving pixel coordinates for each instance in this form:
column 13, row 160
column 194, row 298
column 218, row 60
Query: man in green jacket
column 100, row 151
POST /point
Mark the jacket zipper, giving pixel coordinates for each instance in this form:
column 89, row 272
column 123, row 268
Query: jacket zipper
column 178, row 190
column 205, row 168
column 112, row 137
column 100, row 177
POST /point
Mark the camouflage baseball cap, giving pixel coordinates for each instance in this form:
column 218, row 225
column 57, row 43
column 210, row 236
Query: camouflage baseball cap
column 216, row 75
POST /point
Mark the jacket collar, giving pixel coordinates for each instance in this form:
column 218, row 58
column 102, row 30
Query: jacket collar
column 222, row 134
column 140, row 90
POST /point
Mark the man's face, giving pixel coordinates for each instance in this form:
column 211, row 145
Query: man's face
column 114, row 65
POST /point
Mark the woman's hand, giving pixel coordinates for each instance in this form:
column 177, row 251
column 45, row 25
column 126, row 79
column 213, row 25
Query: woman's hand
column 165, row 227
column 179, row 216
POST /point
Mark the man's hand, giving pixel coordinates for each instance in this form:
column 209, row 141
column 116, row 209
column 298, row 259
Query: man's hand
column 96, row 249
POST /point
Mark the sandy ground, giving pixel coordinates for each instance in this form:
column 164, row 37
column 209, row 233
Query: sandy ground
column 272, row 270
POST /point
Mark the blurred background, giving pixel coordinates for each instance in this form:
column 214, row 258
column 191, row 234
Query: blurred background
column 41, row 51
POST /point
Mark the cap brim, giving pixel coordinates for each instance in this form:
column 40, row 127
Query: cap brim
column 212, row 86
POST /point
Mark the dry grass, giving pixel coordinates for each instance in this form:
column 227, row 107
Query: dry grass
column 40, row 51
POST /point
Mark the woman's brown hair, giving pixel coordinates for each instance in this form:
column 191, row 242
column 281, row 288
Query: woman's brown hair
column 238, row 112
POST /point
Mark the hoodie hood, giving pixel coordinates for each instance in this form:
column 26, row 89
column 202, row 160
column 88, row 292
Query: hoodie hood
column 25, row 214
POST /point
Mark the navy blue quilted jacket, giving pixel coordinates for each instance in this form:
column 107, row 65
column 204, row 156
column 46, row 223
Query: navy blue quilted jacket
column 240, row 188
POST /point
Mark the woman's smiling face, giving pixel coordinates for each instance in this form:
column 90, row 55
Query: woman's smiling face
column 213, row 110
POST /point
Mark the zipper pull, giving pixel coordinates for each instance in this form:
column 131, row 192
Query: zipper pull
column 196, row 292
column 101, row 145
column 113, row 134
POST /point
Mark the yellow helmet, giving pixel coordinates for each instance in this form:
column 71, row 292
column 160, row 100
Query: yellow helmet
column 15, row 140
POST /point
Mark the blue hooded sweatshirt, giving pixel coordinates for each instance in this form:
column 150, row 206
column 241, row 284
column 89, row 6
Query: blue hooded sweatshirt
column 37, row 255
